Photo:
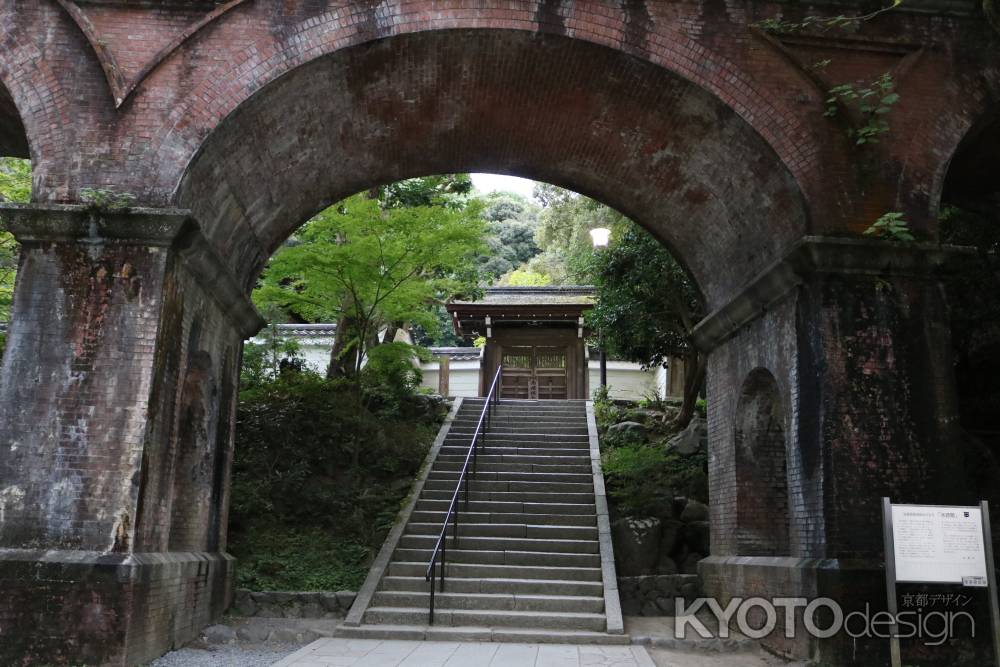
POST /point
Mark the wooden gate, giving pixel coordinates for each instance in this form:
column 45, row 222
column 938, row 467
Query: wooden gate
column 534, row 372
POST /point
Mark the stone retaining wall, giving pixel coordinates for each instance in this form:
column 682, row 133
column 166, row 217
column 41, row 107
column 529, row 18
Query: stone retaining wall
column 654, row 594
column 292, row 604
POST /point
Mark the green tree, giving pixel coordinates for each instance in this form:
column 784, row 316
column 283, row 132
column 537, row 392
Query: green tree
column 367, row 266
column 564, row 233
column 521, row 278
column 647, row 307
column 15, row 186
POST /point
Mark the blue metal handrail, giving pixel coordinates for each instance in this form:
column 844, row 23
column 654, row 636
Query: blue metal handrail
column 441, row 547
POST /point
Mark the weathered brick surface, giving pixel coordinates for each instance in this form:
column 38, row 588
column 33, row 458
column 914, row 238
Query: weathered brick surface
column 119, row 381
column 180, row 71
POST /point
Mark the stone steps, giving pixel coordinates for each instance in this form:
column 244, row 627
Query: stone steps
column 505, row 572
column 506, row 601
column 510, row 506
column 526, row 564
column 479, row 634
column 536, row 586
column 539, row 474
column 539, row 518
column 512, row 496
column 487, row 457
column 594, row 622
column 524, row 531
column 494, row 557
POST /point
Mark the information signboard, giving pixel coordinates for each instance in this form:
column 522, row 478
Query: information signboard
column 939, row 545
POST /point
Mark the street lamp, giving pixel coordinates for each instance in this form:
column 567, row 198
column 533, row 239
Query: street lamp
column 600, row 237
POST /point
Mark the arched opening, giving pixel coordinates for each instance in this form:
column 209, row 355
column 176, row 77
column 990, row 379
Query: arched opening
column 641, row 139
column 13, row 138
column 761, row 468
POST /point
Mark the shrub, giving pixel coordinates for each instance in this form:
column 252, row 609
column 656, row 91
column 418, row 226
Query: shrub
column 643, row 480
column 318, row 477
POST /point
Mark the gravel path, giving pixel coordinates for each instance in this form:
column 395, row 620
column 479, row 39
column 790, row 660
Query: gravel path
column 248, row 655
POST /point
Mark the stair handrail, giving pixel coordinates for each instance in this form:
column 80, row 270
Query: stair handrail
column 441, row 547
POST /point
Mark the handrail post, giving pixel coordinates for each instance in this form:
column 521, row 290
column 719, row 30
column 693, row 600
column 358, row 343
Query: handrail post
column 444, row 557
column 433, row 565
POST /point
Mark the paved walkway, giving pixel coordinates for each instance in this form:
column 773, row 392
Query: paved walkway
column 385, row 653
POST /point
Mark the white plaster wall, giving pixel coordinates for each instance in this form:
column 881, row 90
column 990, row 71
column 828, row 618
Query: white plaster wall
column 626, row 380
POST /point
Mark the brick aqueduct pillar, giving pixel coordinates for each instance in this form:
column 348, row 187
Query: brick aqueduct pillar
column 829, row 381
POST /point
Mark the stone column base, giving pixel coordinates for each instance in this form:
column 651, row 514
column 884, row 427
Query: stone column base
column 91, row 608
column 851, row 584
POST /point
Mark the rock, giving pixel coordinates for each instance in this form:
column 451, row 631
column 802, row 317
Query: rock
column 690, row 564
column 670, row 535
column 253, row 632
column 692, row 439
column 649, row 608
column 219, row 634
column 691, row 589
column 345, row 599
column 680, row 502
column 697, row 535
column 281, row 597
column 631, row 607
column 243, row 604
column 644, row 415
column 637, row 545
column 312, row 610
column 285, row 636
column 666, row 605
column 292, row 610
column 329, row 601
column 666, row 565
column 268, row 610
column 694, row 511
column 628, row 432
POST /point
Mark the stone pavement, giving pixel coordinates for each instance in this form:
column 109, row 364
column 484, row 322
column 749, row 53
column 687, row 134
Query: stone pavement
column 336, row 652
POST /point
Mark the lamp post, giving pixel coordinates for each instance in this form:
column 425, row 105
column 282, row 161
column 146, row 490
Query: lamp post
column 600, row 237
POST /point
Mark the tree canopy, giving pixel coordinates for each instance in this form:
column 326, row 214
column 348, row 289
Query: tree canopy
column 15, row 186
column 369, row 264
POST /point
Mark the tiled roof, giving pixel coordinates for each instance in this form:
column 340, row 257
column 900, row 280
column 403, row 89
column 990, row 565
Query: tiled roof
column 564, row 295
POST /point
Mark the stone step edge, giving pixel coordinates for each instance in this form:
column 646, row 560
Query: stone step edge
column 479, row 634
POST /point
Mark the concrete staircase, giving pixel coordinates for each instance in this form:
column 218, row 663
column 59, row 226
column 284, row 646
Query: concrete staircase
column 528, row 566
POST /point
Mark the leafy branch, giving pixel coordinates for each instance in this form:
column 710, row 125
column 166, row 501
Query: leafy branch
column 891, row 227
column 873, row 102
column 821, row 23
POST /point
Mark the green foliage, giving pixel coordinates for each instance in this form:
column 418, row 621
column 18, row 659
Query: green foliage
column 606, row 412
column 392, row 373
column 15, row 186
column 107, row 200
column 521, row 278
column 265, row 360
column 644, row 479
column 873, row 103
column 375, row 266
column 891, row 226
column 564, row 233
column 319, row 473
column 821, row 23
column 701, row 407
column 15, row 180
column 646, row 303
column 447, row 190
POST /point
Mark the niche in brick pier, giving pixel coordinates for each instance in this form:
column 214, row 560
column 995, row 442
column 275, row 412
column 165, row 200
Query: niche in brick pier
column 761, row 468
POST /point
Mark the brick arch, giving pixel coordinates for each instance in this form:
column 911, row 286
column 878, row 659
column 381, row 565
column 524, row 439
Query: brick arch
column 639, row 138
column 762, row 524
column 639, row 29
column 13, row 138
column 35, row 120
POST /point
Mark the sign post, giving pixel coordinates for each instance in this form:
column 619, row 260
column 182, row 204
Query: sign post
column 938, row 544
